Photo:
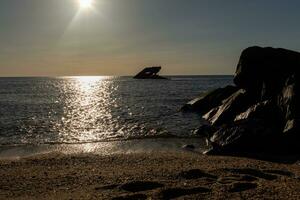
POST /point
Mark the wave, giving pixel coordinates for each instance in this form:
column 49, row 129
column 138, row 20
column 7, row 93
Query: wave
column 160, row 136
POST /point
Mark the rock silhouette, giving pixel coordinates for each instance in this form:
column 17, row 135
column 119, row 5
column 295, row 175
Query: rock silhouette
column 260, row 113
column 210, row 100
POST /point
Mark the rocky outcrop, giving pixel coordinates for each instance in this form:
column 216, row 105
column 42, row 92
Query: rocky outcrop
column 260, row 113
column 263, row 71
column 209, row 100
column 233, row 105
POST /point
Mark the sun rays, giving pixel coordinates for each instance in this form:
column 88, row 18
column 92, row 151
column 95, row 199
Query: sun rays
column 85, row 4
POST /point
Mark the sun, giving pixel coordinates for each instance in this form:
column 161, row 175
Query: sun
column 84, row 4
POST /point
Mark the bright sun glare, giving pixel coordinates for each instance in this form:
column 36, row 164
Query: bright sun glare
column 85, row 3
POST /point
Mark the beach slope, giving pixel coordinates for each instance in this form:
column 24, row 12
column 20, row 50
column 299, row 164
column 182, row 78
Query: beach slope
column 164, row 175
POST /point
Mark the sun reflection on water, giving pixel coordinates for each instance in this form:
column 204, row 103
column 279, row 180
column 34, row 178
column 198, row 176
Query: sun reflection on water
column 86, row 106
column 83, row 110
column 87, row 88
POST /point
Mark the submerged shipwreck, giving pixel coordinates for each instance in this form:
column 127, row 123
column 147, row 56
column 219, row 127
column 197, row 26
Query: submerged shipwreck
column 149, row 73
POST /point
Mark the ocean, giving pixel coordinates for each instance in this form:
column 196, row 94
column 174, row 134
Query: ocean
column 36, row 112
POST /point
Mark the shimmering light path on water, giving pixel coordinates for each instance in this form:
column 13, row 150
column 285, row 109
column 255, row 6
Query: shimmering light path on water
column 76, row 110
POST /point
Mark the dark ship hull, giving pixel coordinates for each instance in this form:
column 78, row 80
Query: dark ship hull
column 149, row 73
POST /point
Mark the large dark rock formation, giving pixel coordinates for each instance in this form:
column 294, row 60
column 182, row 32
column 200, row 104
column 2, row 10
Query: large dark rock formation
column 264, row 71
column 209, row 100
column 260, row 113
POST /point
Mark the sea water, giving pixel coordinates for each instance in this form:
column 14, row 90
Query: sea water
column 69, row 111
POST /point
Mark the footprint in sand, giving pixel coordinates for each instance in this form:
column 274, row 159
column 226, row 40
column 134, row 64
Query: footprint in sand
column 253, row 172
column 138, row 186
column 236, row 178
column 195, row 174
column 279, row 172
column 244, row 179
column 241, row 186
column 107, row 187
column 172, row 193
column 131, row 197
column 135, row 186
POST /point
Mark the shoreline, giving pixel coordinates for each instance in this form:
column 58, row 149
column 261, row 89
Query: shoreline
column 146, row 145
column 156, row 175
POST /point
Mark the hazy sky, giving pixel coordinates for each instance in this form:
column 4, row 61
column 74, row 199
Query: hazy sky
column 119, row 37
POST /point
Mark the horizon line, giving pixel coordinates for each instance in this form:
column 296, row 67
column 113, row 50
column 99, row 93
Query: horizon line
column 70, row 76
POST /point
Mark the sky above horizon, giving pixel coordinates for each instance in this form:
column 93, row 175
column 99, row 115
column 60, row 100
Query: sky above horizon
column 120, row 37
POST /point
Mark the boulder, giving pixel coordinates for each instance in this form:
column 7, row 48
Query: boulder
column 206, row 130
column 230, row 138
column 292, row 127
column 263, row 71
column 265, row 110
column 243, row 136
column 287, row 102
column 209, row 100
column 251, row 129
column 233, row 105
column 189, row 147
column 261, row 113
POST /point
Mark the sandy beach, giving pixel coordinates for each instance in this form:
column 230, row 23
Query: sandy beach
column 157, row 175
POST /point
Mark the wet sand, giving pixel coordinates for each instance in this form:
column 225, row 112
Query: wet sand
column 157, row 175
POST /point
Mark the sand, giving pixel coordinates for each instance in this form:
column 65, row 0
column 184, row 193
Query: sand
column 156, row 175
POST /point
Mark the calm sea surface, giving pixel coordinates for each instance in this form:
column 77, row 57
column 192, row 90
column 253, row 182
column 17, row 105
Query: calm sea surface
column 76, row 110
